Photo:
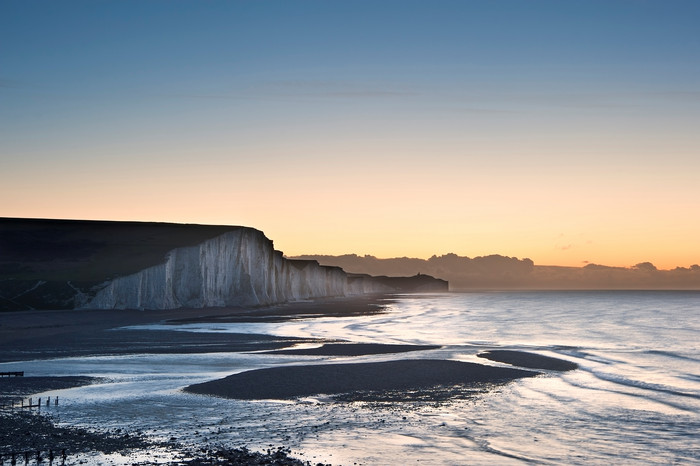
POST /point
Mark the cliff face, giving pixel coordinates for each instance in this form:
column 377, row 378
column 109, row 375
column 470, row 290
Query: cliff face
column 67, row 264
column 238, row 268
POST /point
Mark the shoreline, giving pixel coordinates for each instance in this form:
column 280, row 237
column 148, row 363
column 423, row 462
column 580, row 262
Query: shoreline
column 42, row 440
column 30, row 335
column 60, row 334
column 44, row 335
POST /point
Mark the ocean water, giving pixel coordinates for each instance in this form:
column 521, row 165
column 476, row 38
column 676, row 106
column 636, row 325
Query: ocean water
column 634, row 399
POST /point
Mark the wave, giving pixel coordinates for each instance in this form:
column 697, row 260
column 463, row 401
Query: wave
column 627, row 382
column 671, row 354
column 665, row 402
column 691, row 377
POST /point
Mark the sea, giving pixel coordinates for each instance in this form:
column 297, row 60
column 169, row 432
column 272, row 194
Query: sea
column 635, row 398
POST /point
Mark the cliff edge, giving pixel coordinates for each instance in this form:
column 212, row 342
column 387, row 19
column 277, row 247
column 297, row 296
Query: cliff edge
column 65, row 264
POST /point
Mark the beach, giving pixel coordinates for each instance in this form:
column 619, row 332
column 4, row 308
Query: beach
column 46, row 335
column 51, row 334
column 32, row 335
column 441, row 379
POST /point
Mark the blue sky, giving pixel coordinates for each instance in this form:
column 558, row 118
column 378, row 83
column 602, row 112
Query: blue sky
column 570, row 125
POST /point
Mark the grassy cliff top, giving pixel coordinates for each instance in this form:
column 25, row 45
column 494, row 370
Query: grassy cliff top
column 85, row 250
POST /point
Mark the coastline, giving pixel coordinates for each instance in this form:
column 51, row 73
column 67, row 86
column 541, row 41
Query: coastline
column 79, row 334
column 44, row 335
column 28, row 335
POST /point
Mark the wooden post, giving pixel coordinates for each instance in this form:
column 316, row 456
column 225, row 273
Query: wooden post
column 56, row 401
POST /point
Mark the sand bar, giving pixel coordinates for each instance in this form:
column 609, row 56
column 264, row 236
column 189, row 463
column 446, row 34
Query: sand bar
column 298, row 381
column 529, row 360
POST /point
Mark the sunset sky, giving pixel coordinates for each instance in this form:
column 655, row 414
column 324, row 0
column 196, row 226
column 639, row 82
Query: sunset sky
column 567, row 132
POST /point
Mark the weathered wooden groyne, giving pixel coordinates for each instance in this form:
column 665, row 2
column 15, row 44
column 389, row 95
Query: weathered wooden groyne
column 39, row 456
column 29, row 403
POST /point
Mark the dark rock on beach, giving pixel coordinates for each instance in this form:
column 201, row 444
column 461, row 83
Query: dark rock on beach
column 22, row 431
column 243, row 456
column 28, row 434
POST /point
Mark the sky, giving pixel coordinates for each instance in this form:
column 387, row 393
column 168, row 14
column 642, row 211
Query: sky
column 566, row 132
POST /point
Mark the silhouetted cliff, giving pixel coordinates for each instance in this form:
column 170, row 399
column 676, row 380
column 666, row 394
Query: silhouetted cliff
column 62, row 264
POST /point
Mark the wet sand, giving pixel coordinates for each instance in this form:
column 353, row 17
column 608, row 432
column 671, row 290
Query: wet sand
column 529, row 360
column 28, row 335
column 334, row 379
column 55, row 334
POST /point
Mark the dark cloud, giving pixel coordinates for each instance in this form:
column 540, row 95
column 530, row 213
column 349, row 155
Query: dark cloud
column 648, row 266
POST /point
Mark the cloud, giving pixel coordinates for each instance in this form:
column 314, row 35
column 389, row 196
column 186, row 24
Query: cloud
column 647, row 266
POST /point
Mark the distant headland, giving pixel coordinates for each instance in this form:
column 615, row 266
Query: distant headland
column 497, row 272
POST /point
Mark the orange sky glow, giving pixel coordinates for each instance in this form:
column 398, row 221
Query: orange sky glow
column 451, row 128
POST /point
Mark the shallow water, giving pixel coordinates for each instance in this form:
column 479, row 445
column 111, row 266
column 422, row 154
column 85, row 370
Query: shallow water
column 635, row 398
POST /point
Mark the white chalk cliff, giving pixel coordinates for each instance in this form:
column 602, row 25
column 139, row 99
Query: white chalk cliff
column 237, row 268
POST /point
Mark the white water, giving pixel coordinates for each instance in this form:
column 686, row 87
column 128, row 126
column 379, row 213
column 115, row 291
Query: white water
column 635, row 398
